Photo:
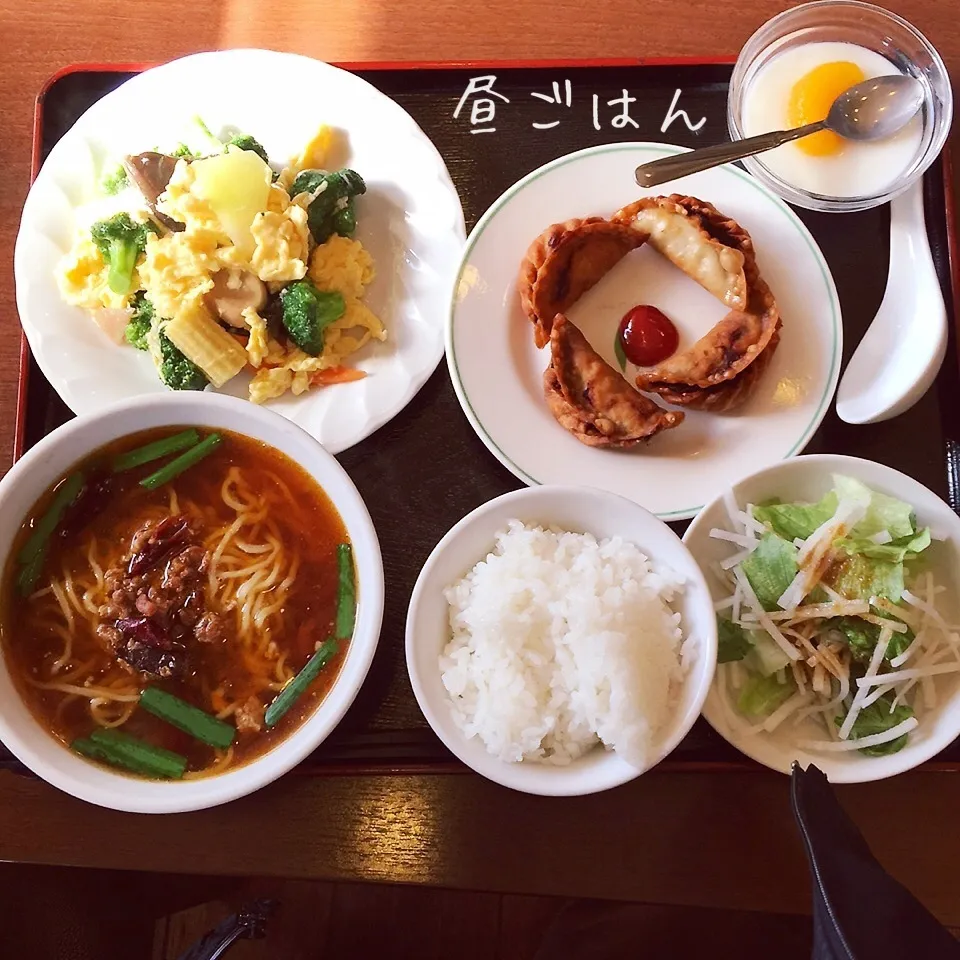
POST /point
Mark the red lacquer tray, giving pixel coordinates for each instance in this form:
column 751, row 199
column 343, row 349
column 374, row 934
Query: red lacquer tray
column 426, row 468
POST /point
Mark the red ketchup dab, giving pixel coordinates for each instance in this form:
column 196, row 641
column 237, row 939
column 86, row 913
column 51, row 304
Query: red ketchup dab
column 647, row 336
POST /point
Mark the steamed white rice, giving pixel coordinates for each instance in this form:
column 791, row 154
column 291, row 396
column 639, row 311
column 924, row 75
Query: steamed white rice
column 559, row 642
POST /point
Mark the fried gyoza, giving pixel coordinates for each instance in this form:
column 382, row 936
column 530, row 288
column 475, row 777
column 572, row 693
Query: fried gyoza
column 718, row 253
column 591, row 400
column 564, row 262
column 728, row 349
column 726, row 396
column 693, row 235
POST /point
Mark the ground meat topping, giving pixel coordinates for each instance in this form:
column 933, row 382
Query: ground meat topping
column 210, row 628
column 249, row 716
column 156, row 606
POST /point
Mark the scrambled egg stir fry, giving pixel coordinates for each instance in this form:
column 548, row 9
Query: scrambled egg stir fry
column 221, row 264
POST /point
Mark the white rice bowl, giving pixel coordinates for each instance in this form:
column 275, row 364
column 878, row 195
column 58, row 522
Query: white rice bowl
column 560, row 642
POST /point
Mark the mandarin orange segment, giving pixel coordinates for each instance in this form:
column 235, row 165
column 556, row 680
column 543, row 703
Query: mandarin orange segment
column 811, row 98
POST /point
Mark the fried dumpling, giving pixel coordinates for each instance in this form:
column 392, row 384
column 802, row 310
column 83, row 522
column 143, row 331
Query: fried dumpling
column 694, row 236
column 718, row 253
column 727, row 349
column 723, row 398
column 591, row 400
column 564, row 262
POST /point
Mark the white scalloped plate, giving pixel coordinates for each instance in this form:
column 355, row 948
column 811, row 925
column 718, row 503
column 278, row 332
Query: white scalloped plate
column 498, row 372
column 410, row 219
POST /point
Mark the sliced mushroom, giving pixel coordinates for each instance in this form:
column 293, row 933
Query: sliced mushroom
column 151, row 172
column 234, row 291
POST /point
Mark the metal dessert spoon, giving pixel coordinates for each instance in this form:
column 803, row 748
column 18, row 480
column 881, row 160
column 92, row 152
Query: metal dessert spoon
column 872, row 110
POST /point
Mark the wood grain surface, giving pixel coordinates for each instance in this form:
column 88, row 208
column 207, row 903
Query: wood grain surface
column 699, row 839
column 726, row 841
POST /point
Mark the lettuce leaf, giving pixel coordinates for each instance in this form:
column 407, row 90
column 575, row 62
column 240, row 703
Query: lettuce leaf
column 860, row 578
column 761, row 652
column 760, row 696
column 895, row 552
column 771, row 569
column 875, row 719
column 766, row 657
column 883, row 512
column 862, row 637
column 796, row 520
column 732, row 641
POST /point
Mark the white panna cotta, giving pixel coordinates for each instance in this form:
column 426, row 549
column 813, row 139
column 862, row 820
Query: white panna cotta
column 796, row 87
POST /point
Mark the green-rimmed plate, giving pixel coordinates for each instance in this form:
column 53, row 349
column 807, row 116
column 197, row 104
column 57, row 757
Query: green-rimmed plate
column 497, row 370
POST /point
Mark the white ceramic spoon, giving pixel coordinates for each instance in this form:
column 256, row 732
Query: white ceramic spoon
column 901, row 352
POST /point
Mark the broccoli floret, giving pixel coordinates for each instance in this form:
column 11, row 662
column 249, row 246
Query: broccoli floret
column 307, row 312
column 245, row 142
column 307, row 181
column 140, row 321
column 182, row 151
column 176, row 371
column 115, row 180
column 121, row 241
column 332, row 210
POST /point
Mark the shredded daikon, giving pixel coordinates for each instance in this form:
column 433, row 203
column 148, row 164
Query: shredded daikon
column 724, row 698
column 831, row 593
column 849, row 512
column 738, row 538
column 929, row 657
column 828, row 658
column 894, row 625
column 785, row 645
column 814, row 611
column 816, row 548
column 733, row 511
column 797, row 701
column 910, row 617
column 861, row 743
column 877, row 694
column 900, row 675
column 916, row 644
column 831, row 706
column 750, row 523
column 798, row 677
column 879, row 651
column 930, row 611
column 735, row 559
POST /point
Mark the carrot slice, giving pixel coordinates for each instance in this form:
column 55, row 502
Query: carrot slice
column 325, row 378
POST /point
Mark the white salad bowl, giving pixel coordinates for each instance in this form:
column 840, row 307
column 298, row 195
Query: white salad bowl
column 807, row 479
column 51, row 458
column 581, row 510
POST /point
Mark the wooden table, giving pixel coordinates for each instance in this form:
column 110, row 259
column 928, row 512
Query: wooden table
column 713, row 840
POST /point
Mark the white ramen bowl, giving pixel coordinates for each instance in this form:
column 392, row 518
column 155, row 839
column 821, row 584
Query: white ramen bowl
column 581, row 510
column 50, row 459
